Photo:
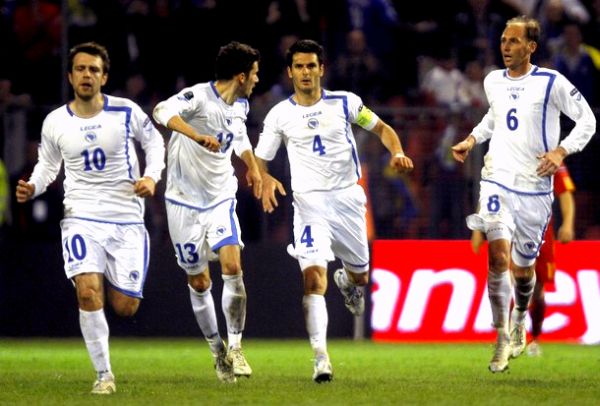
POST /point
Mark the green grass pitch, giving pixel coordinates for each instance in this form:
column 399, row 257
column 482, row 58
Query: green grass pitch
column 180, row 371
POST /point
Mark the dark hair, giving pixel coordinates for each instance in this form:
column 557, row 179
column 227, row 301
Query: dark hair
column 233, row 59
column 305, row 46
column 91, row 48
column 532, row 27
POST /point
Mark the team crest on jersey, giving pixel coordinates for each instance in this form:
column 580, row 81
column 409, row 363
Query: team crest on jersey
column 90, row 136
column 134, row 275
column 313, row 123
column 228, row 120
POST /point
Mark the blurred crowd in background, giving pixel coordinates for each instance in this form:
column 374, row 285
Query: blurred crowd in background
column 420, row 65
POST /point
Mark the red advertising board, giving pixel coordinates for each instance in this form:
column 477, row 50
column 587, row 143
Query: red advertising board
column 436, row 291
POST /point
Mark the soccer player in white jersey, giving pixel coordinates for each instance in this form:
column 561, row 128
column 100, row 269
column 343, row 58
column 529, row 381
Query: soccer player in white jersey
column 201, row 194
column 515, row 199
column 103, row 232
column 329, row 205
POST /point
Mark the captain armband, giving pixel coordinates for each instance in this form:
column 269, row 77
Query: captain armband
column 366, row 118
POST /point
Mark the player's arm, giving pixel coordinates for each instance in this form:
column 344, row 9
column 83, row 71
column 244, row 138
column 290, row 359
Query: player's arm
column 253, row 175
column 481, row 133
column 167, row 115
column 566, row 231
column 269, row 186
column 390, row 140
column 572, row 103
column 45, row 170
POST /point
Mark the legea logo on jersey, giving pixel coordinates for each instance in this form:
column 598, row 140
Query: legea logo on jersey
column 443, row 297
column 313, row 123
column 90, row 136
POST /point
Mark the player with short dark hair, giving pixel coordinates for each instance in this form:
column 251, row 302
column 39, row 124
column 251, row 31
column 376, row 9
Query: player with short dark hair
column 103, row 233
column 329, row 205
column 209, row 124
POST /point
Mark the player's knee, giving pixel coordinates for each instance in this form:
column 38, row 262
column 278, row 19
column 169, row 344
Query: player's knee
column 360, row 279
column 200, row 283
column 127, row 308
column 315, row 281
column 89, row 298
column 231, row 268
column 499, row 261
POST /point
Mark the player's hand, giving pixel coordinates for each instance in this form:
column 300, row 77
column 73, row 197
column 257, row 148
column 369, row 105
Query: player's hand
column 25, row 191
column 565, row 234
column 254, row 180
column 401, row 163
column 209, row 142
column 476, row 241
column 270, row 185
column 144, row 187
column 461, row 150
column 550, row 161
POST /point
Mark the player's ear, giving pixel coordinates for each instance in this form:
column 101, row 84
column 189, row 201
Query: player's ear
column 532, row 46
column 289, row 71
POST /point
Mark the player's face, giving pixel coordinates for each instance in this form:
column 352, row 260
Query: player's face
column 251, row 79
column 516, row 48
column 87, row 75
column 306, row 72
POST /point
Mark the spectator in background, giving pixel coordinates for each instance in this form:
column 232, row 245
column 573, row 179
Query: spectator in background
column 574, row 61
column 470, row 91
column 440, row 85
column 357, row 69
column 37, row 26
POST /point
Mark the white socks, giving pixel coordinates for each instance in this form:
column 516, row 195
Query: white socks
column 523, row 292
column 234, row 307
column 316, row 318
column 204, row 311
column 499, row 290
column 94, row 329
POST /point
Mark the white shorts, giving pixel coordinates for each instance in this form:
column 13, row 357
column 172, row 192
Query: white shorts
column 517, row 217
column 119, row 251
column 198, row 234
column 331, row 224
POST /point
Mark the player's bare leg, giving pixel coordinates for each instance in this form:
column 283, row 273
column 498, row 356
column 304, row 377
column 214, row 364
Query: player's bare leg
column 94, row 328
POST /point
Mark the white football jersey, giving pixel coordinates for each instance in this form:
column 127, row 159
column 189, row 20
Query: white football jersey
column 101, row 165
column 197, row 177
column 319, row 139
column 523, row 123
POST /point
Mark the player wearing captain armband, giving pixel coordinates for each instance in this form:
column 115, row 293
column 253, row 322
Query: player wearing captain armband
column 515, row 201
column 103, row 233
column 209, row 124
column 329, row 205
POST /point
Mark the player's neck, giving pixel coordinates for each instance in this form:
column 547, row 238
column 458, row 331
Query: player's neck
column 307, row 98
column 227, row 90
column 520, row 70
column 87, row 108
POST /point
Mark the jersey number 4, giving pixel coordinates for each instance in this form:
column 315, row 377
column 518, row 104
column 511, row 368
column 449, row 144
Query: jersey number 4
column 318, row 145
